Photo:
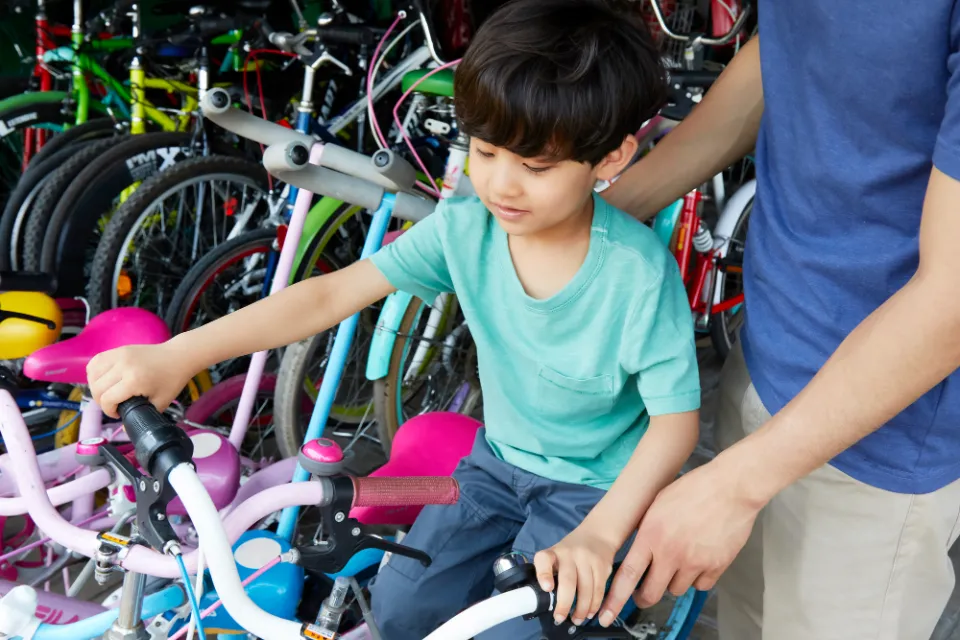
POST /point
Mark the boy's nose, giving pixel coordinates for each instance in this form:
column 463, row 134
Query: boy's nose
column 504, row 183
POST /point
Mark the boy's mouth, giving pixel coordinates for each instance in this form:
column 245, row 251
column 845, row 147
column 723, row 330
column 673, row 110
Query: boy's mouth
column 509, row 213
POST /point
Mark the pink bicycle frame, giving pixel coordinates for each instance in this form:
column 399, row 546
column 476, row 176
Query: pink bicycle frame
column 288, row 251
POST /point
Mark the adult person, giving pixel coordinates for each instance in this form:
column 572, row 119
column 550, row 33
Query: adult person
column 841, row 507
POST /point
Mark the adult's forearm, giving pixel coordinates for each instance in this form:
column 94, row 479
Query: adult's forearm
column 718, row 132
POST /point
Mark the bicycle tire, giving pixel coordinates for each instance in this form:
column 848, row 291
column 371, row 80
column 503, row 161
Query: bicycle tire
column 724, row 326
column 212, row 264
column 180, row 313
column 52, row 192
column 111, row 248
column 21, row 202
column 76, row 220
column 21, row 112
column 92, row 130
column 223, row 394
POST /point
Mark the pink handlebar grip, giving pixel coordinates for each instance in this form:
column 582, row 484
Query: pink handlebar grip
column 401, row 492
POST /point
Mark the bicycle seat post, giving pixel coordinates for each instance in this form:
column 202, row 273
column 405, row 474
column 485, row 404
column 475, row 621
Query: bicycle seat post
column 128, row 625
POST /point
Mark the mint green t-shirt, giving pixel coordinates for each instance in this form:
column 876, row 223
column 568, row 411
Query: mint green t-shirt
column 569, row 382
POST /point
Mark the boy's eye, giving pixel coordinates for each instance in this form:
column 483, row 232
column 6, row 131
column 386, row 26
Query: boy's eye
column 536, row 169
column 484, row 154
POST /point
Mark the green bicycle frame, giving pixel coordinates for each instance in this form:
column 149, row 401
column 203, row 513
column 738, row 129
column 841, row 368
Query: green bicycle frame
column 140, row 108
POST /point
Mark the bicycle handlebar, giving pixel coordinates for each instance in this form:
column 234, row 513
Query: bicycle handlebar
column 159, row 444
column 342, row 174
column 488, row 614
column 713, row 42
column 401, row 492
column 288, row 163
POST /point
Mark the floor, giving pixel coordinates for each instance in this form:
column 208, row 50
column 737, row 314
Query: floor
column 706, row 629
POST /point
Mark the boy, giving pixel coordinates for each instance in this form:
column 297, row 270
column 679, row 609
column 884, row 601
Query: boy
column 581, row 323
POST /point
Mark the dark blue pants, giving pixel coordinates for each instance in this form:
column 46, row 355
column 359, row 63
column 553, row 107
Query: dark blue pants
column 501, row 508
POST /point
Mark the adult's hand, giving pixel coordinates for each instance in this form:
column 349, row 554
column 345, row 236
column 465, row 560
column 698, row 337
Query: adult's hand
column 688, row 537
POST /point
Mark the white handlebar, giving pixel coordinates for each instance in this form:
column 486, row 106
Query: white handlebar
column 488, row 614
column 218, row 553
column 223, row 569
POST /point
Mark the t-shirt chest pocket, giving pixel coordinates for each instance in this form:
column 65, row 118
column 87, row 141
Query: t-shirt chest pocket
column 562, row 397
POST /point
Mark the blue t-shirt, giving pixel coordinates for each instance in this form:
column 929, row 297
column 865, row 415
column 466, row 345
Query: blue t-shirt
column 861, row 99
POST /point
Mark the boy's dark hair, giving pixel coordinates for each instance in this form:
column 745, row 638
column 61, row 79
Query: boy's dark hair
column 569, row 79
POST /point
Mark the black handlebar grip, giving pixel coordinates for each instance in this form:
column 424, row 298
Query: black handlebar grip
column 27, row 281
column 159, row 444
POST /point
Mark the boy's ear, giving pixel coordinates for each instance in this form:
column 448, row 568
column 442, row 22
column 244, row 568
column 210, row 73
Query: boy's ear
column 618, row 159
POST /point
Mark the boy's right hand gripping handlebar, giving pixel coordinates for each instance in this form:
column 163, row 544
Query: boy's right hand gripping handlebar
column 342, row 174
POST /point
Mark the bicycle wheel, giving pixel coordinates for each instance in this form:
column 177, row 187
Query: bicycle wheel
column 228, row 278
column 20, row 203
column 46, row 201
column 433, row 367
column 35, row 110
column 93, row 130
column 172, row 220
column 77, row 222
column 725, row 325
column 337, row 244
column 216, row 408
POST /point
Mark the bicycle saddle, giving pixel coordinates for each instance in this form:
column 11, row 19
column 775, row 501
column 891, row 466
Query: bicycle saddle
column 66, row 361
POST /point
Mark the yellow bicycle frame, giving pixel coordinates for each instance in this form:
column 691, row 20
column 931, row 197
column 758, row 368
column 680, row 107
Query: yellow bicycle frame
column 141, row 110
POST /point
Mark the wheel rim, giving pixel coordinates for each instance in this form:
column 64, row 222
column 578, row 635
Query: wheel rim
column 185, row 248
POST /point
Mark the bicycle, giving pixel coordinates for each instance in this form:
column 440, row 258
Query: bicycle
column 706, row 241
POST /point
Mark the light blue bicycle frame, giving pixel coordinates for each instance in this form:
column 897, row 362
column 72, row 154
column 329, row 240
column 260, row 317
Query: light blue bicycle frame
column 337, row 363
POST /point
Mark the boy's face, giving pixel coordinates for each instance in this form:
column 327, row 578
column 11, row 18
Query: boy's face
column 530, row 195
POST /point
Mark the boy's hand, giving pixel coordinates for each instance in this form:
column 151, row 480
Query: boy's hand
column 582, row 563
column 152, row 371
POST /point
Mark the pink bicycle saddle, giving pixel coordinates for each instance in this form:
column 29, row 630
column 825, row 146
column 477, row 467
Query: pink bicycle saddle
column 66, row 361
column 431, row 444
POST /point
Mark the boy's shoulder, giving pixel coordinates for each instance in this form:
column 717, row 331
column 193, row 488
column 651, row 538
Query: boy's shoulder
column 634, row 245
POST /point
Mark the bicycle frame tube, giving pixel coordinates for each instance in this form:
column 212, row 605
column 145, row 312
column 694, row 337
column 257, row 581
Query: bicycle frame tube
column 34, row 138
column 139, row 106
column 91, row 426
column 251, row 385
column 414, row 61
column 138, row 100
column 336, row 363
column 80, row 89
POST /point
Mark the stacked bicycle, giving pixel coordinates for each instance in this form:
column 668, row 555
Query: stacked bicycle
column 391, row 365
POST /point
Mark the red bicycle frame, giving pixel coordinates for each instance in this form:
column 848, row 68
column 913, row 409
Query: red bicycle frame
column 35, row 138
column 698, row 278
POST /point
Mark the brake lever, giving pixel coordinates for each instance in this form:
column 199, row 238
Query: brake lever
column 152, row 495
column 347, row 536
